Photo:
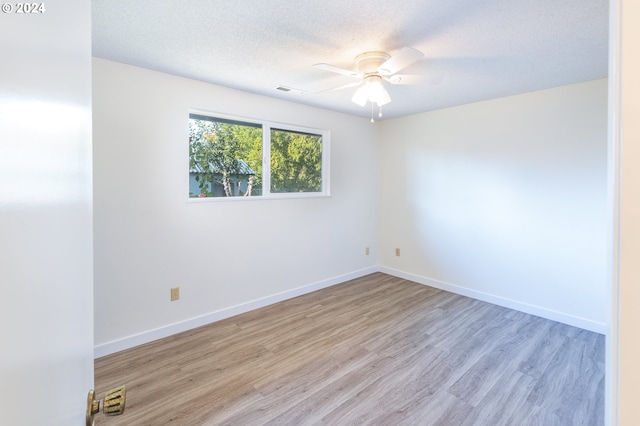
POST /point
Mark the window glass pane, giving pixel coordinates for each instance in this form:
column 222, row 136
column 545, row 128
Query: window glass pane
column 225, row 158
column 296, row 161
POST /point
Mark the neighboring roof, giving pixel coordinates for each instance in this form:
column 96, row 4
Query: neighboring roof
column 243, row 169
column 475, row 50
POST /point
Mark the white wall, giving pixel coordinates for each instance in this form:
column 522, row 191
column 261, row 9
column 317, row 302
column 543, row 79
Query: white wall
column 223, row 255
column 503, row 200
column 46, row 269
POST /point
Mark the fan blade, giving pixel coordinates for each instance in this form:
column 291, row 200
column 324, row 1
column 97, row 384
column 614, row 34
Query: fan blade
column 343, row 71
column 405, row 57
column 407, row 79
column 333, row 89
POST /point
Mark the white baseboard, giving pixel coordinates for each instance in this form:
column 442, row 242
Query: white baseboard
column 161, row 332
column 564, row 318
column 168, row 330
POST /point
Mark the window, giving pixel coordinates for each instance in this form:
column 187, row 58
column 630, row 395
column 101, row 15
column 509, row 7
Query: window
column 238, row 158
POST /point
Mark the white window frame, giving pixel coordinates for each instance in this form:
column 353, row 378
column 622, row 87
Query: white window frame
column 266, row 158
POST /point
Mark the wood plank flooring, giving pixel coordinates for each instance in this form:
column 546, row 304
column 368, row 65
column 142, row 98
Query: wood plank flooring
column 378, row 350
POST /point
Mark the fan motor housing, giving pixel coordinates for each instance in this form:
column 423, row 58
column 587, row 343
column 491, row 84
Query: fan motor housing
column 369, row 62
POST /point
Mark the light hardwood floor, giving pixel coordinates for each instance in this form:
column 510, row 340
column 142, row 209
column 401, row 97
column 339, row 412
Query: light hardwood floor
column 378, row 350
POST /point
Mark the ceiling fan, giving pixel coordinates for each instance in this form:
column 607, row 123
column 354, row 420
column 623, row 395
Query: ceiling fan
column 374, row 68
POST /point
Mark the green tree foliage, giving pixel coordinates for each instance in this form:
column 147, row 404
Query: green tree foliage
column 216, row 149
column 251, row 149
column 296, row 162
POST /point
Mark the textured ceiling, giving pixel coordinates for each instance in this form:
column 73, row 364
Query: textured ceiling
column 474, row 50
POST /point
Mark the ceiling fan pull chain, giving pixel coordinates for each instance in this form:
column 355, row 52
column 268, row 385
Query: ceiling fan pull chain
column 372, row 120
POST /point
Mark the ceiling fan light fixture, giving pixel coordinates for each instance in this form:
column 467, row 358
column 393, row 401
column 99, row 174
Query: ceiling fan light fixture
column 361, row 96
column 378, row 94
column 383, row 98
column 373, row 91
column 372, row 68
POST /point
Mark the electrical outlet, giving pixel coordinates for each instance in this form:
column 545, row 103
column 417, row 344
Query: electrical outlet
column 175, row 293
column 366, row 251
column 397, row 252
